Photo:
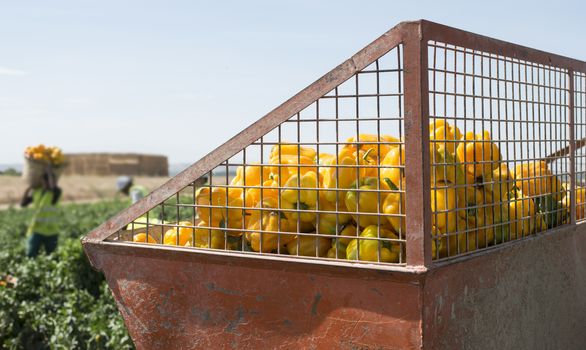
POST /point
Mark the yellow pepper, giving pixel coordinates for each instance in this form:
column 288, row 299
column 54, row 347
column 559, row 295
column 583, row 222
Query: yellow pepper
column 227, row 207
column 203, row 235
column 500, row 219
column 142, row 238
column 337, row 250
column 480, row 155
column 394, row 206
column 472, row 240
column 444, row 208
column 289, row 160
column 285, row 149
column 301, row 196
column 341, row 172
column 492, row 227
column 500, row 184
column 269, row 189
column 444, row 167
column 364, row 197
column 309, row 246
column 346, row 234
column 535, row 179
column 325, row 159
column 290, row 165
column 580, row 202
column 435, row 242
column 477, row 214
column 494, row 194
column 369, row 246
column 441, row 240
column 339, row 245
column 251, row 175
column 537, row 182
column 393, row 166
column 329, row 223
column 269, row 218
column 487, row 222
column 444, row 134
column 385, row 143
column 523, row 218
column 179, row 235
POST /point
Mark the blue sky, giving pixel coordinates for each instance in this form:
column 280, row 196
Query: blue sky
column 181, row 77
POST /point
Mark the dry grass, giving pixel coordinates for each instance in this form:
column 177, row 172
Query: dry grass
column 75, row 188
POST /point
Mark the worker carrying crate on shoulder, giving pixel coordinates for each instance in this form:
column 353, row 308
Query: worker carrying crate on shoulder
column 43, row 165
column 126, row 186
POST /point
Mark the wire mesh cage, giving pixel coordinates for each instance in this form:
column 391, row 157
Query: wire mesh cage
column 400, row 156
column 381, row 207
column 506, row 118
column 324, row 183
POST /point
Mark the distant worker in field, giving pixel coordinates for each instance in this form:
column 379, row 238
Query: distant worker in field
column 44, row 226
column 126, row 186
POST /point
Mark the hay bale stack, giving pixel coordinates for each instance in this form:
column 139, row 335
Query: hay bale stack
column 105, row 164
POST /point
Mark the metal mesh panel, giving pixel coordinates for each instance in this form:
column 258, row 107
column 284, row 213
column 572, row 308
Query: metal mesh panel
column 329, row 182
column 496, row 124
column 326, row 184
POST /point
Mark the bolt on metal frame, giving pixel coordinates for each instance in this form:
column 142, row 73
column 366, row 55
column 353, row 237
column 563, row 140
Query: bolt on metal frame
column 533, row 104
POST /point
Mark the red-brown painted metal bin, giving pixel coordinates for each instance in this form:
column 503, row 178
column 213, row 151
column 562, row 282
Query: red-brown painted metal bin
column 328, row 224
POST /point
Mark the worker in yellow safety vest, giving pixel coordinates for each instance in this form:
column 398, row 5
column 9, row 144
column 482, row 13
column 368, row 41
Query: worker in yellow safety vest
column 44, row 225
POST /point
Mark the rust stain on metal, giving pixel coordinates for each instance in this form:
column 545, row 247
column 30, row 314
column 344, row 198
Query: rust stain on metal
column 237, row 321
column 340, row 306
column 315, row 304
column 213, row 287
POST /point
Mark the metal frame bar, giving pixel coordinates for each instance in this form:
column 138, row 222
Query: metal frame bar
column 417, row 174
column 572, row 147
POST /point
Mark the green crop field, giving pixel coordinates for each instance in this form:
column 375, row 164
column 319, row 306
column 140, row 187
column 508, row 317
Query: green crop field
column 60, row 302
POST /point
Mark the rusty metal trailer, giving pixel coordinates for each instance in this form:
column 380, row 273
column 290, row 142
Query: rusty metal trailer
column 441, row 275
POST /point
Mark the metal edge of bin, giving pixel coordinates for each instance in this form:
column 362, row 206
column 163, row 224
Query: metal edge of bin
column 187, row 254
column 560, row 230
column 397, row 273
column 304, row 98
column 469, row 40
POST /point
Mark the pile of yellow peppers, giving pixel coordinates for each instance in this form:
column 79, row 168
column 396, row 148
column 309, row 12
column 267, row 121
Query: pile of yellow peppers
column 351, row 205
column 489, row 204
column 48, row 154
column 302, row 203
